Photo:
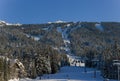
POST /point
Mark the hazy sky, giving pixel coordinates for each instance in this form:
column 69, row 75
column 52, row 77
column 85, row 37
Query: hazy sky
column 42, row 11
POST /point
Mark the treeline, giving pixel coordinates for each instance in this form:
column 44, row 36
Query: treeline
column 38, row 58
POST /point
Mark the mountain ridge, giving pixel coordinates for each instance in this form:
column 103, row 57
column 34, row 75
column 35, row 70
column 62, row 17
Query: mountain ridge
column 43, row 48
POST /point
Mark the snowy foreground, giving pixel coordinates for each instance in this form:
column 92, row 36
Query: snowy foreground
column 71, row 73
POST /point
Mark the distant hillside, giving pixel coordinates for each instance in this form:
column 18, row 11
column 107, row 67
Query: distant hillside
column 42, row 48
column 84, row 36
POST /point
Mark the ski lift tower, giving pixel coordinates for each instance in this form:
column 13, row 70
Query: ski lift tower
column 117, row 63
column 85, row 59
column 95, row 60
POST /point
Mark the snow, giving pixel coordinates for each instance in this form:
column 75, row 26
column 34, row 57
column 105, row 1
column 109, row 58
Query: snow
column 76, row 61
column 98, row 26
column 65, row 38
column 66, row 41
column 59, row 29
column 4, row 57
column 65, row 48
column 68, row 25
column 76, row 70
column 74, row 28
column 36, row 38
column 16, row 61
column 14, row 79
column 2, row 21
column 71, row 73
column 47, row 28
column 18, row 24
column 27, row 35
column 64, row 34
column 55, row 48
column 60, row 21
column 19, row 63
column 49, row 22
column 9, row 24
column 73, row 60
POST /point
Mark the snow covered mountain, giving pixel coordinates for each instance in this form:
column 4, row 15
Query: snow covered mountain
column 45, row 48
column 70, row 74
column 3, row 23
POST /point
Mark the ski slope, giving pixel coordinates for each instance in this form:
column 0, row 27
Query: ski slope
column 71, row 73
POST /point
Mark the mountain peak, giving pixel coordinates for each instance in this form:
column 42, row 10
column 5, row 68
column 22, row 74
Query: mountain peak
column 3, row 23
column 60, row 21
